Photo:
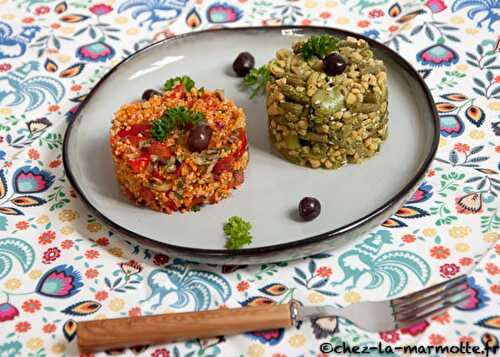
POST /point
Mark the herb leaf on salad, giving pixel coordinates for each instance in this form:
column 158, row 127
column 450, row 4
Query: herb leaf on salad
column 237, row 232
column 185, row 80
column 172, row 118
column 256, row 80
column 320, row 46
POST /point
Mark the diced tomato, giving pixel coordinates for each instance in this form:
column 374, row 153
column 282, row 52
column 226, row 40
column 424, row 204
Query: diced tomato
column 178, row 171
column 197, row 200
column 160, row 150
column 172, row 205
column 136, row 164
column 222, row 165
column 157, row 174
column 147, row 194
column 135, row 140
column 243, row 145
column 238, row 179
column 135, row 130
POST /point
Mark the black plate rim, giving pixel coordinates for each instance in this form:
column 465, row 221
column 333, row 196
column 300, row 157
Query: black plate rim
column 221, row 254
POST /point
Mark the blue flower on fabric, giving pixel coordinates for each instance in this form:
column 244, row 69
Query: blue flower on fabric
column 2, row 155
column 60, row 282
column 95, row 52
column 28, row 179
column 438, row 55
column 373, row 34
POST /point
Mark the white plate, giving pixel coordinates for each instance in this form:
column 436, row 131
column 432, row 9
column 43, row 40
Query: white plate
column 354, row 198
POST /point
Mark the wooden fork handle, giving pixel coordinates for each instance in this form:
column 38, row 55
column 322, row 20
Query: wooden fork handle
column 99, row 335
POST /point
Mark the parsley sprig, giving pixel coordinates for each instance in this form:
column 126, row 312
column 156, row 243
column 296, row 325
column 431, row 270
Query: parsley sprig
column 256, row 80
column 238, row 232
column 320, row 46
column 171, row 119
column 185, row 80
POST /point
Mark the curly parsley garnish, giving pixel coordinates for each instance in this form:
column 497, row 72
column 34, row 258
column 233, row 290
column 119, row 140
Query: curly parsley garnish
column 172, row 118
column 320, row 46
column 256, row 80
column 237, row 232
column 185, row 80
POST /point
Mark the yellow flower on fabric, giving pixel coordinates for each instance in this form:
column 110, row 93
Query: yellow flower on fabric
column 116, row 304
column 406, row 26
column 117, row 252
column 68, row 215
column 494, row 105
column 491, row 237
column 94, row 227
column 100, row 317
column 331, row 3
column 429, row 232
column 442, row 142
column 342, row 20
column 459, row 232
column 297, row 341
column 471, row 31
column 67, row 30
column 310, row 4
column 67, row 230
column 352, row 297
column 256, row 350
column 121, row 20
column 63, row 58
column 457, row 20
column 12, row 284
column 35, row 274
column 58, row 348
column 34, row 344
column 462, row 247
column 462, row 67
column 43, row 219
column 477, row 134
column 3, row 1
column 8, row 16
column 133, row 31
column 5, row 111
column 315, row 298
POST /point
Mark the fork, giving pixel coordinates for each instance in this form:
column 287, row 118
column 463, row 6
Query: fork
column 375, row 316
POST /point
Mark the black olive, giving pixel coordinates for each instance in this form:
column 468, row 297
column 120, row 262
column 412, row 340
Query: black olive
column 243, row 64
column 334, row 64
column 150, row 93
column 199, row 137
column 309, row 208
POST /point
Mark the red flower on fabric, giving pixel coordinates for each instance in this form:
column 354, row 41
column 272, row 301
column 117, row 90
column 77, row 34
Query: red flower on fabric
column 100, row 9
column 101, row 295
column 436, row 339
column 54, row 163
column 393, row 28
column 23, row 326
column 49, row 328
column 324, row 272
column 436, row 5
column 440, row 252
column 462, row 147
column 22, row 225
column 32, row 305
column 92, row 254
column 431, row 173
column 363, row 23
column 444, row 318
column 91, row 273
column 67, row 244
column 135, row 311
column 33, row 154
column 4, row 67
column 325, row 15
column 47, row 237
column 242, row 285
column 389, row 337
column 51, row 255
column 306, row 22
column 466, row 261
column 103, row 241
column 160, row 259
column 409, row 238
column 495, row 289
column 492, row 269
column 376, row 13
column 449, row 270
column 160, row 352
column 41, row 10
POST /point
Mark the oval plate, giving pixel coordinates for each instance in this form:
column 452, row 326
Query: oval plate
column 354, row 198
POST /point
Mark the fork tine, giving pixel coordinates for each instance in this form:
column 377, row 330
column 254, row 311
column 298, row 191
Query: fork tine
column 445, row 305
column 416, row 304
column 411, row 298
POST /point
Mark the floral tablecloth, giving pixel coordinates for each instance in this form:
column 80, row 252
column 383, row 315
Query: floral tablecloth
column 60, row 265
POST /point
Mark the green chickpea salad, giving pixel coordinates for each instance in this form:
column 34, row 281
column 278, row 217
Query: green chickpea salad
column 327, row 102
